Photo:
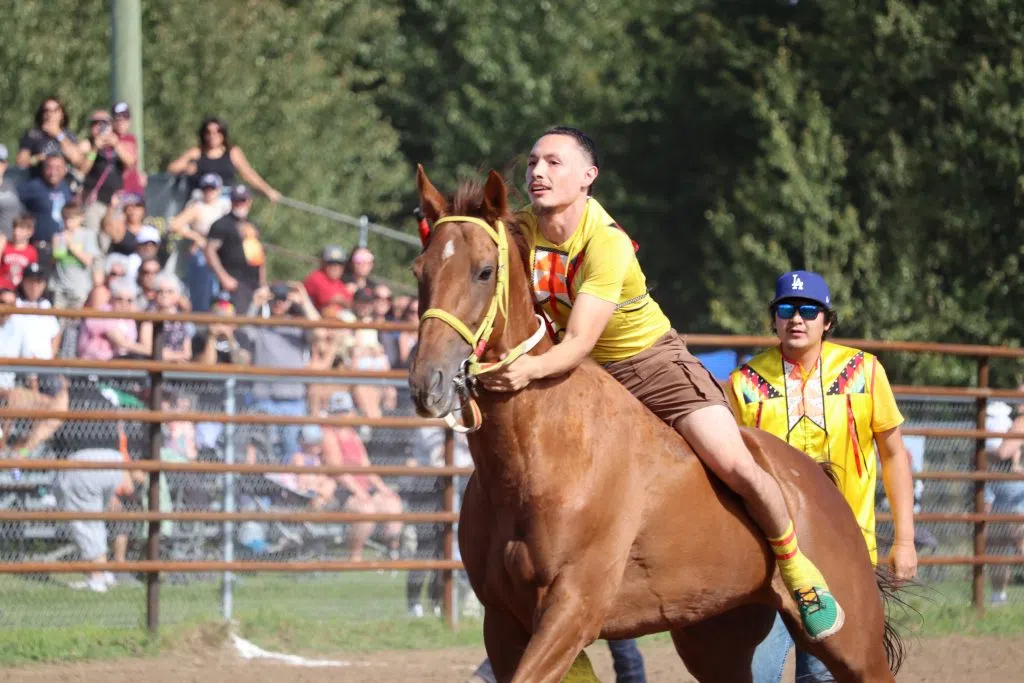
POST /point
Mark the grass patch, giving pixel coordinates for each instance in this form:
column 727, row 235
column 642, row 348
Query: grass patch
column 82, row 643
column 45, row 621
column 945, row 609
column 34, row 646
column 277, row 631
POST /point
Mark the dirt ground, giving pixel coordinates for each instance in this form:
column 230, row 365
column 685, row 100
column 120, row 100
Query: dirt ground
column 953, row 659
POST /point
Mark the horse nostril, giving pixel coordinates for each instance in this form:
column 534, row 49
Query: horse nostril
column 437, row 384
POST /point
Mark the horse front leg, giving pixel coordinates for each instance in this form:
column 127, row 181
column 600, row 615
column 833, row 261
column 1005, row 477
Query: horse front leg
column 505, row 639
column 569, row 618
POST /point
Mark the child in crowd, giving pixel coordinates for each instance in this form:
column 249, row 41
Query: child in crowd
column 77, row 264
column 18, row 253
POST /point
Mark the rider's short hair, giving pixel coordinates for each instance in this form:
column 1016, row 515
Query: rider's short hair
column 582, row 139
column 586, row 144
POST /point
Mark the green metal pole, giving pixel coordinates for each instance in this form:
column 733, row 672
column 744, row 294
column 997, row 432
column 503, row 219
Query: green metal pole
column 126, row 61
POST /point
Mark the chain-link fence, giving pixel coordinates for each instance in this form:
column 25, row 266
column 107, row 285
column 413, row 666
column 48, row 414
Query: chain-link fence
column 67, row 600
column 37, row 600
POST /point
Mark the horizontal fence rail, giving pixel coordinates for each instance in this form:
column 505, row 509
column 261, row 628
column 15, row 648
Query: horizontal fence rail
column 200, row 369
column 725, row 341
column 395, row 422
column 158, row 417
column 155, row 567
column 237, row 468
column 255, row 516
column 350, row 517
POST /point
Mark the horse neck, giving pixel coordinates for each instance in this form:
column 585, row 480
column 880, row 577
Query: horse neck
column 520, row 321
column 502, row 456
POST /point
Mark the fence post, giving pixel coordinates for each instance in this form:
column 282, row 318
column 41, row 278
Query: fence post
column 449, row 529
column 156, row 381
column 364, row 229
column 227, row 590
column 980, row 465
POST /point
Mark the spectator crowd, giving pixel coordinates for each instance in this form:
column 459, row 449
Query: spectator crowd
column 74, row 234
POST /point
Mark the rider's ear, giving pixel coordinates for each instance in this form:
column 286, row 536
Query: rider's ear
column 431, row 201
column 495, row 196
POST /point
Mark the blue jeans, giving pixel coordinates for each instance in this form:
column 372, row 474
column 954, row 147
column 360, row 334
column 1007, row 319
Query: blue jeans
column 629, row 663
column 770, row 659
column 201, row 283
column 287, row 436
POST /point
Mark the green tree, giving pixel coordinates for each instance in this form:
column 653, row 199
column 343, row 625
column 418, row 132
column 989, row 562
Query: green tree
column 307, row 122
column 787, row 211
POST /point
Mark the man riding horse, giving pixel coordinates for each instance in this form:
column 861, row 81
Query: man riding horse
column 588, row 282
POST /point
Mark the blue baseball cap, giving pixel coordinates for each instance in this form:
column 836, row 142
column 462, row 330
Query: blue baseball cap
column 802, row 284
column 210, row 180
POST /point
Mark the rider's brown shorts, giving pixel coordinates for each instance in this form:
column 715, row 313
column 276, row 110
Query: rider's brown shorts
column 668, row 379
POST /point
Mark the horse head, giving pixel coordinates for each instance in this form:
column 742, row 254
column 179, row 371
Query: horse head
column 471, row 284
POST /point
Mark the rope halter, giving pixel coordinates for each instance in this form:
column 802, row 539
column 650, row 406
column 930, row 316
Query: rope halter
column 479, row 339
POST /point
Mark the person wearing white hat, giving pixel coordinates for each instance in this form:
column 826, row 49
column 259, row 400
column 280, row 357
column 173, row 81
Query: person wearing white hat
column 1004, row 496
column 192, row 227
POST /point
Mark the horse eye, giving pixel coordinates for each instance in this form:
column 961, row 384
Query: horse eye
column 486, row 273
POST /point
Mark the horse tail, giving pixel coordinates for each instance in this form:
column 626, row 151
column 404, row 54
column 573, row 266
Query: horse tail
column 892, row 641
column 889, row 588
column 829, row 469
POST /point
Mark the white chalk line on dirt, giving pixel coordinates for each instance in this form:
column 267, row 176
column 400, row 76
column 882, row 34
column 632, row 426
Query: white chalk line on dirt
column 248, row 650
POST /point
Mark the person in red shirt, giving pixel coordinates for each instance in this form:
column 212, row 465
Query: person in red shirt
column 324, row 284
column 18, row 253
column 134, row 180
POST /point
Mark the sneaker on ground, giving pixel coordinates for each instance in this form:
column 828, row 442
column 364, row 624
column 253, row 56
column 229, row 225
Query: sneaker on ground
column 95, row 585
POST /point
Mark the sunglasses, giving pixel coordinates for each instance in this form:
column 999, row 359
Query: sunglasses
column 123, row 299
column 97, row 122
column 806, row 311
column 52, row 108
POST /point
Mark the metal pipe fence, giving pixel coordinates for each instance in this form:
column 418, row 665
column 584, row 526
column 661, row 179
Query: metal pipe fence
column 961, row 427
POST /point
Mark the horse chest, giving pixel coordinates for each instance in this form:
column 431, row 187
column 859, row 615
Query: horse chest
column 518, row 563
column 515, row 565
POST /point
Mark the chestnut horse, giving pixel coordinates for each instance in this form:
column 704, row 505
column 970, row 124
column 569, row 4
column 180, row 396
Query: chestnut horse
column 587, row 516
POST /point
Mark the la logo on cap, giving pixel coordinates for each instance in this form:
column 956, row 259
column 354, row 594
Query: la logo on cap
column 797, row 284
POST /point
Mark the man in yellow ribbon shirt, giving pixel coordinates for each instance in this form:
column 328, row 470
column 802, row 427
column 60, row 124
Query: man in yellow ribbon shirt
column 588, row 281
column 833, row 403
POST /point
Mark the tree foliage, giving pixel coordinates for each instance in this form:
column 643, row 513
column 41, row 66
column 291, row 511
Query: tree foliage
column 879, row 143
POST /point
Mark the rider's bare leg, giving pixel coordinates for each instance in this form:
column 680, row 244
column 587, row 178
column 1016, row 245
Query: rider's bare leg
column 713, row 434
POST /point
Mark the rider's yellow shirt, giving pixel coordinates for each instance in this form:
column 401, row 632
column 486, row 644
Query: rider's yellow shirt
column 598, row 259
column 831, row 413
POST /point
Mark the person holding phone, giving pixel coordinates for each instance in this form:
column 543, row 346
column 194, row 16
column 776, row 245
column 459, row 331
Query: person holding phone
column 105, row 159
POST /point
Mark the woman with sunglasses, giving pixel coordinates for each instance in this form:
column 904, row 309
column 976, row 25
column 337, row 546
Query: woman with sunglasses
column 835, row 404
column 50, row 135
column 216, row 154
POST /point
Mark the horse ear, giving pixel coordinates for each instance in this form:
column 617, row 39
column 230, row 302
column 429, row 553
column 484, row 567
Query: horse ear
column 495, row 196
column 431, row 201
